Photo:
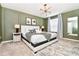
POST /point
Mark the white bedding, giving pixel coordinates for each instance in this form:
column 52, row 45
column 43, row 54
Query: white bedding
column 39, row 38
column 52, row 35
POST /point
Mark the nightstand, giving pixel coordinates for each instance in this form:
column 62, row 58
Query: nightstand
column 16, row 37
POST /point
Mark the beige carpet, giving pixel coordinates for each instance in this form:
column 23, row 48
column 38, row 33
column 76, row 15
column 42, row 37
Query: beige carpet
column 60, row 48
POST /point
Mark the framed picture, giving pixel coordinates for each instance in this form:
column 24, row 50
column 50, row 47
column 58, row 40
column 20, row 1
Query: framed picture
column 33, row 21
column 28, row 21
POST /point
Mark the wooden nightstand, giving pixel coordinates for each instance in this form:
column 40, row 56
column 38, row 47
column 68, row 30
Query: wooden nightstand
column 16, row 37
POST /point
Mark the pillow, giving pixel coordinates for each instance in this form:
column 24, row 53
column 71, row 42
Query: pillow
column 38, row 31
column 32, row 31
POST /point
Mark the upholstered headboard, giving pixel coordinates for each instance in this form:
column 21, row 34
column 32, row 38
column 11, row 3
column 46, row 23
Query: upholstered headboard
column 26, row 28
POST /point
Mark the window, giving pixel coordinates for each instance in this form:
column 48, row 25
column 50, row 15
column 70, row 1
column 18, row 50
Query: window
column 72, row 26
column 54, row 25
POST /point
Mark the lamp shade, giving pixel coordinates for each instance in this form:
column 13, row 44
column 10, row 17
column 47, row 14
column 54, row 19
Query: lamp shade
column 42, row 27
column 17, row 26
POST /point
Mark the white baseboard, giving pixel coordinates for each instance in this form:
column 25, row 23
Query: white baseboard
column 71, row 39
column 6, row 41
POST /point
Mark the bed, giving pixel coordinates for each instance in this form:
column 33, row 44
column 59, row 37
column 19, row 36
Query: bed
column 36, row 39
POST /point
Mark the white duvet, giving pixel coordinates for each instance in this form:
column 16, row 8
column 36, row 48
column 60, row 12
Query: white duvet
column 40, row 38
column 37, row 38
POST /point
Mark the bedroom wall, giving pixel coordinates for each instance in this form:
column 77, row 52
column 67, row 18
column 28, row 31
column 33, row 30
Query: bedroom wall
column 64, row 17
column 45, row 23
column 0, row 24
column 12, row 17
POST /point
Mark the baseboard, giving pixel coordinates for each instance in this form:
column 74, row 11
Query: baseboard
column 6, row 41
column 71, row 39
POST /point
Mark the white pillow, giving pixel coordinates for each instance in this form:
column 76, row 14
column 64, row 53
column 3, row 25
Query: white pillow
column 38, row 31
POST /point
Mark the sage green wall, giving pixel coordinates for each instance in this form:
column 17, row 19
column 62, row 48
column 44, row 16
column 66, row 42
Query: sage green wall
column 0, row 23
column 64, row 17
column 12, row 17
column 45, row 23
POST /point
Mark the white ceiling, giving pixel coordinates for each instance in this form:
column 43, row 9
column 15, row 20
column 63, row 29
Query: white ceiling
column 34, row 8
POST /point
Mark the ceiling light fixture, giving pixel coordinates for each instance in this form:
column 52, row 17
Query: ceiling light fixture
column 45, row 9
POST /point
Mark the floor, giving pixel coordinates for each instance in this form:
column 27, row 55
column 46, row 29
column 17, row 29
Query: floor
column 61, row 48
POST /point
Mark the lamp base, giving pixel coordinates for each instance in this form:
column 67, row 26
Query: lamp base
column 17, row 30
column 42, row 29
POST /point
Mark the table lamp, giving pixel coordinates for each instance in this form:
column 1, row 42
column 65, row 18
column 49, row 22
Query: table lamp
column 42, row 28
column 17, row 27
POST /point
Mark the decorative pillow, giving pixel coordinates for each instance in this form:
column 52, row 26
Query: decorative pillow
column 32, row 31
column 38, row 31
